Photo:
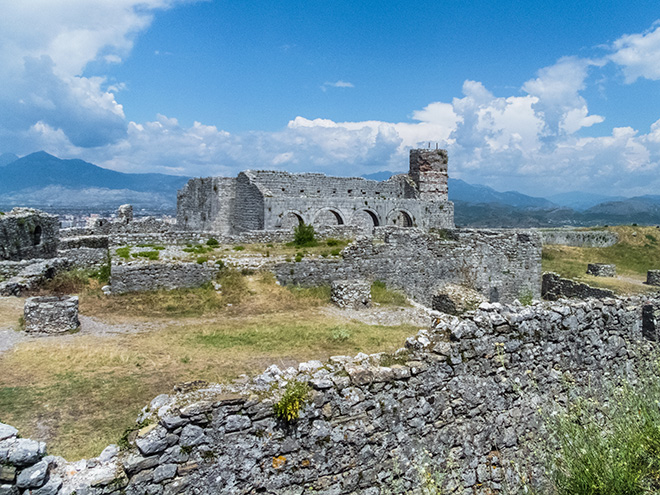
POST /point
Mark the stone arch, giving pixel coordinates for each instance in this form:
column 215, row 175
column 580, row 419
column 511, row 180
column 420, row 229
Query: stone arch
column 328, row 216
column 366, row 219
column 291, row 219
column 36, row 236
column 401, row 218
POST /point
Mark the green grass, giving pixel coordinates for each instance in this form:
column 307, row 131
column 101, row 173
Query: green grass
column 123, row 252
column 609, row 447
column 636, row 252
column 382, row 295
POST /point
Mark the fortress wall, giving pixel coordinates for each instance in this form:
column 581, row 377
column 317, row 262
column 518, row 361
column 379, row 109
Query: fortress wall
column 249, row 205
column 206, row 204
column 352, row 211
column 310, row 185
column 465, row 402
column 501, row 264
column 579, row 238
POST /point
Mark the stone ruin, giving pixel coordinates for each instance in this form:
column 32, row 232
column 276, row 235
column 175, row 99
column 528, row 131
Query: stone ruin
column 653, row 277
column 51, row 315
column 26, row 233
column 601, row 270
column 355, row 294
column 271, row 200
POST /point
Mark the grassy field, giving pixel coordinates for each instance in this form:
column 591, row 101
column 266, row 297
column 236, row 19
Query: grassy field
column 80, row 392
column 637, row 251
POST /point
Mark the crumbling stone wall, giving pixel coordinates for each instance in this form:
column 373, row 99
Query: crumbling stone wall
column 26, row 233
column 500, row 264
column 266, row 200
column 554, row 287
column 601, row 270
column 579, row 238
column 354, row 294
column 465, row 400
column 51, row 315
column 143, row 276
column 653, row 277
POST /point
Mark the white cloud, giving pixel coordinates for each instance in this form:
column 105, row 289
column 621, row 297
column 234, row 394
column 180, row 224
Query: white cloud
column 44, row 48
column 639, row 54
column 337, row 84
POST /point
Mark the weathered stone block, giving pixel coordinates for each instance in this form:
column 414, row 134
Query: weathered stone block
column 351, row 293
column 125, row 214
column 455, row 300
column 653, row 277
column 601, row 270
column 51, row 314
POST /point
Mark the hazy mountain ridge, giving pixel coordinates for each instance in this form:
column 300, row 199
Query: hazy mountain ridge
column 42, row 180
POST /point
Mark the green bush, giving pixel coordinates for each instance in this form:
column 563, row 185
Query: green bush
column 611, row 446
column 289, row 406
column 202, row 259
column 305, row 236
column 239, row 248
column 212, row 242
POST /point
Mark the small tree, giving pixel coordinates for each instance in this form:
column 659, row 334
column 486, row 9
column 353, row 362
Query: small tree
column 304, row 235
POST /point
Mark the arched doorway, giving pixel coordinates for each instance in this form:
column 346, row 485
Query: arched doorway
column 328, row 216
column 366, row 220
column 401, row 218
column 291, row 220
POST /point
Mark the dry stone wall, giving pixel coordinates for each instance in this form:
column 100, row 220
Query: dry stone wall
column 144, row 276
column 465, row 401
column 579, row 238
column 554, row 287
column 653, row 277
column 502, row 265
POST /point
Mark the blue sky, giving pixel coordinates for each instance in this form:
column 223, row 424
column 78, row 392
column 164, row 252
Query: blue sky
column 542, row 97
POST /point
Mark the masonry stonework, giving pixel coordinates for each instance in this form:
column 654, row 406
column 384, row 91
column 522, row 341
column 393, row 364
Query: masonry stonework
column 465, row 400
column 26, row 233
column 501, row 265
column 653, row 277
column 601, row 270
column 51, row 315
column 270, row 200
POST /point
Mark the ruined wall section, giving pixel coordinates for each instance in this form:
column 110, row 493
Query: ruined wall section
column 465, row 400
column 579, row 238
column 428, row 169
column 142, row 276
column 249, row 204
column 314, row 185
column 26, row 233
column 206, row 204
column 500, row 264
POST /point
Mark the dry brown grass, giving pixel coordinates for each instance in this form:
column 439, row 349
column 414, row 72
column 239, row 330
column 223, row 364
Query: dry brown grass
column 11, row 309
column 80, row 393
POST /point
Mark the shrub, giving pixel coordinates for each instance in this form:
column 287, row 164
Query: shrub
column 212, row 242
column 239, row 248
column 289, row 406
column 202, row 259
column 335, row 252
column 305, row 236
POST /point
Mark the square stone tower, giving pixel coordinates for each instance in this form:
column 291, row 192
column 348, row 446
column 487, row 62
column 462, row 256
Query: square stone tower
column 428, row 169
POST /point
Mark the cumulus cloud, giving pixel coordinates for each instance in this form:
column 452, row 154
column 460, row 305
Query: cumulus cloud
column 639, row 54
column 529, row 139
column 44, row 49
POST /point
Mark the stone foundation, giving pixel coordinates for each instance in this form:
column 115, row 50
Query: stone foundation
column 351, row 293
column 51, row 315
column 653, row 277
column 601, row 270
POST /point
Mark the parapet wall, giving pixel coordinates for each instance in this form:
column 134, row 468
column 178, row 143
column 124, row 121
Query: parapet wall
column 464, row 401
column 579, row 238
column 500, row 264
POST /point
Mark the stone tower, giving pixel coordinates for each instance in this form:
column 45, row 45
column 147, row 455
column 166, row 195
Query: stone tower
column 428, row 169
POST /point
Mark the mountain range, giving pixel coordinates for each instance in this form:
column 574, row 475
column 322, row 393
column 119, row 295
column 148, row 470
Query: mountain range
column 44, row 181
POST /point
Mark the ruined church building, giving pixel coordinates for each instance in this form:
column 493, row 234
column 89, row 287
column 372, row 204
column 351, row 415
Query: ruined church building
column 271, row 200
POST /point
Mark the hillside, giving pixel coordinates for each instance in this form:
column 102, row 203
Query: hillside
column 43, row 180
